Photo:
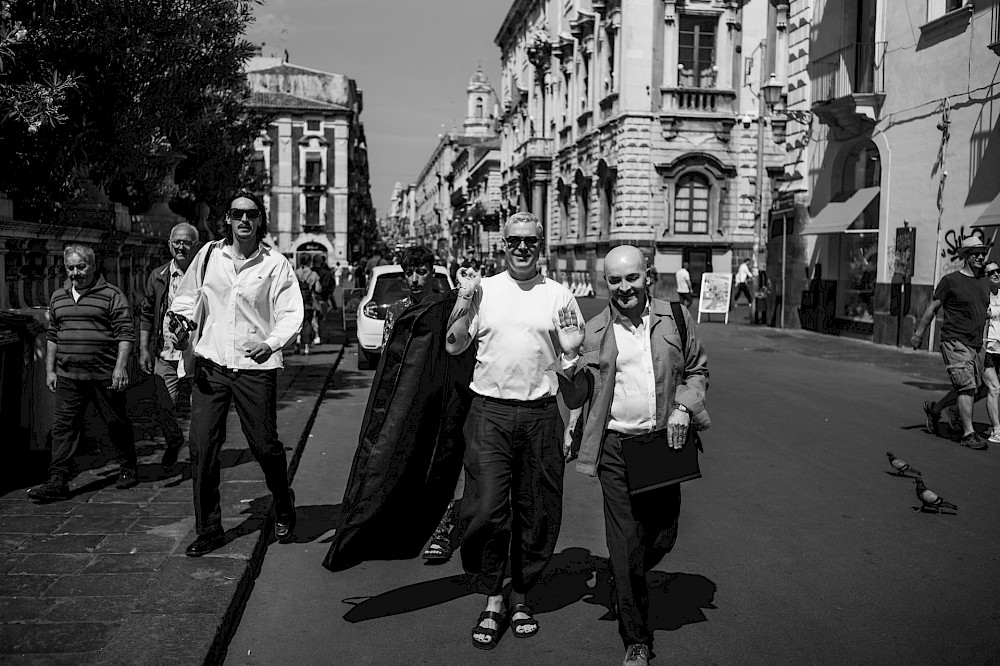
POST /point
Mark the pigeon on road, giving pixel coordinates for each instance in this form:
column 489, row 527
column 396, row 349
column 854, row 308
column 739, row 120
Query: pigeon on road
column 901, row 466
column 931, row 500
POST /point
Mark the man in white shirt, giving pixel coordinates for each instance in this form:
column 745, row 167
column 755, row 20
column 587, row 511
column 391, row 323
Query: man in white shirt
column 744, row 278
column 512, row 507
column 247, row 307
column 684, row 285
column 640, row 374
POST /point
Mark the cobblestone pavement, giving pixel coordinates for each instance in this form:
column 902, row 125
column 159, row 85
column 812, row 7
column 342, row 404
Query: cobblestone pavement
column 102, row 577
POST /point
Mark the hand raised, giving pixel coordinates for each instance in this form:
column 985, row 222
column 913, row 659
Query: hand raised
column 468, row 280
column 570, row 330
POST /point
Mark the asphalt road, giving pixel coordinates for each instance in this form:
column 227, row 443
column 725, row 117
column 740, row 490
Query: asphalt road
column 796, row 547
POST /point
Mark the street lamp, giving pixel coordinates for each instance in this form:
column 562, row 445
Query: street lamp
column 769, row 94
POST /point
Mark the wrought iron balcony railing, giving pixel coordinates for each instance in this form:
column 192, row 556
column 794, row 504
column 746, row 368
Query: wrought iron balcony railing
column 850, row 70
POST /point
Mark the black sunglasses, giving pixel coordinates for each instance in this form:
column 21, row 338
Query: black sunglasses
column 995, row 271
column 238, row 213
column 515, row 241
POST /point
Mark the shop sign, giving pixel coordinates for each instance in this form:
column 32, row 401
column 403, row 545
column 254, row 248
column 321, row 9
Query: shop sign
column 906, row 241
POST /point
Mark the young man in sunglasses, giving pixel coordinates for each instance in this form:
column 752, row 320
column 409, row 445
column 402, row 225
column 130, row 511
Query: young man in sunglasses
column 965, row 297
column 246, row 302
column 512, row 508
column 158, row 357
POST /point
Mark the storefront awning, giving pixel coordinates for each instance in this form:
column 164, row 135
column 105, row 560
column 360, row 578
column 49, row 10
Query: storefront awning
column 836, row 216
column 990, row 216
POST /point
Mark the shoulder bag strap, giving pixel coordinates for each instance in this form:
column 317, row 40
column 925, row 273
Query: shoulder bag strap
column 675, row 307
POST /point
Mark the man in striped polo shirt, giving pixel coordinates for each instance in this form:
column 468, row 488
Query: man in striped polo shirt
column 89, row 340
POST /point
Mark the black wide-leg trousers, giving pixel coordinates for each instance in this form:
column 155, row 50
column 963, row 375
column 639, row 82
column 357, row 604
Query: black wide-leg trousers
column 641, row 530
column 512, row 506
column 254, row 393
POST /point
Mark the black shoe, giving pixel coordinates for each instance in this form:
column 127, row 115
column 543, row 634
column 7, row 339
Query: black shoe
column 205, row 544
column 284, row 528
column 126, row 479
column 974, row 441
column 169, row 458
column 54, row 489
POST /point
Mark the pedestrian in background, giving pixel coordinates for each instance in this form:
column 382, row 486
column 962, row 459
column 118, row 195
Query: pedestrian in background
column 89, row 340
column 684, row 285
column 308, row 281
column 156, row 356
column 991, row 341
column 512, row 508
column 643, row 377
column 247, row 307
column 965, row 297
column 744, row 279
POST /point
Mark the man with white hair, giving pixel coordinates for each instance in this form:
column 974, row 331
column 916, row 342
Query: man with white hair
column 89, row 340
column 512, row 508
column 157, row 355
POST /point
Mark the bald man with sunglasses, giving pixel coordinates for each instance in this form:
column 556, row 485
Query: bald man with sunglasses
column 512, row 508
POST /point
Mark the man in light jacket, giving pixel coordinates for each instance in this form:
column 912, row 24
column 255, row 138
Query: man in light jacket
column 636, row 375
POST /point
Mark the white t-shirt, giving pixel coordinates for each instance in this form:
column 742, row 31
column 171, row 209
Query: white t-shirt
column 993, row 325
column 514, row 325
column 683, row 281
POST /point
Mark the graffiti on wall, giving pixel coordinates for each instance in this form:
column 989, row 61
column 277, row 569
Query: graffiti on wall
column 950, row 261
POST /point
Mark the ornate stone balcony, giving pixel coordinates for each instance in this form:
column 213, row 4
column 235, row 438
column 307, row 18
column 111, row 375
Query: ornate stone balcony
column 848, row 87
column 533, row 150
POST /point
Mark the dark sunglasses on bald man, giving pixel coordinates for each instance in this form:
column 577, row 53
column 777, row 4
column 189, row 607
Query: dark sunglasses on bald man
column 238, row 213
column 515, row 241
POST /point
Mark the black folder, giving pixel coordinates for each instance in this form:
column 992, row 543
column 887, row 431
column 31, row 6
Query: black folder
column 650, row 463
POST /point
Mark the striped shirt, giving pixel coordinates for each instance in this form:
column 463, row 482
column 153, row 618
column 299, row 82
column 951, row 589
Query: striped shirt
column 87, row 332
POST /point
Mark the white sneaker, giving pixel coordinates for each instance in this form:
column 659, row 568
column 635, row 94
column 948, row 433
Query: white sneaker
column 994, row 437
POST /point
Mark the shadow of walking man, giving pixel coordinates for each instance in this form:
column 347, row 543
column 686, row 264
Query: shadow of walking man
column 574, row 574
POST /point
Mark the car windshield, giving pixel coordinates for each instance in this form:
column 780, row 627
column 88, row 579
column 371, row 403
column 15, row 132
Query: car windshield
column 390, row 287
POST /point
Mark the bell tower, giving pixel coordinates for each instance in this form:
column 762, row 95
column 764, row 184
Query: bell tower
column 479, row 115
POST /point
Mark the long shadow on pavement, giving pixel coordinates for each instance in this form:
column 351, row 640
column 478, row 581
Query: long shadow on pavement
column 574, row 574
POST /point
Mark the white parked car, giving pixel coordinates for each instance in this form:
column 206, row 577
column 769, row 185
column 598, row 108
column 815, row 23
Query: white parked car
column 388, row 285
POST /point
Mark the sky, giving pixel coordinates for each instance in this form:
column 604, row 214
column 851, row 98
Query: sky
column 411, row 58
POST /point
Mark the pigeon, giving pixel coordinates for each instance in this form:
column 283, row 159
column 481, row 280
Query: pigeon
column 901, row 466
column 930, row 499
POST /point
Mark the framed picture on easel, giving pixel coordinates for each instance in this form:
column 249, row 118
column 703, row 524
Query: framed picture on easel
column 716, row 290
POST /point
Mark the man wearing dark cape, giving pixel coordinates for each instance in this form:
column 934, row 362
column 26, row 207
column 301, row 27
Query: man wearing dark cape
column 411, row 445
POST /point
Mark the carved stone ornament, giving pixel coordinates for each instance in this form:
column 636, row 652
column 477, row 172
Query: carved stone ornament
column 539, row 50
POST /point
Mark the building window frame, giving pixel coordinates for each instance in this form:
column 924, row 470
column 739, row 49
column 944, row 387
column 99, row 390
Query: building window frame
column 702, row 73
column 719, row 177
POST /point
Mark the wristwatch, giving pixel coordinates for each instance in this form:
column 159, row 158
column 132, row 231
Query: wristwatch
column 682, row 408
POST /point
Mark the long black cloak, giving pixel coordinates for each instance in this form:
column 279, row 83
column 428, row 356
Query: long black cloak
column 411, row 445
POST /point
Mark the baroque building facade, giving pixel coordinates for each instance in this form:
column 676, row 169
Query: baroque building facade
column 900, row 162
column 635, row 121
column 312, row 161
column 455, row 200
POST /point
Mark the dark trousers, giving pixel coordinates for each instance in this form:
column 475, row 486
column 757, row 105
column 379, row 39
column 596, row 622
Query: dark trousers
column 743, row 289
column 512, row 505
column 641, row 530
column 255, row 394
column 72, row 398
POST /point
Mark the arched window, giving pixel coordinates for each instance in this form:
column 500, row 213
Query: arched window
column 479, row 107
column 606, row 176
column 691, row 204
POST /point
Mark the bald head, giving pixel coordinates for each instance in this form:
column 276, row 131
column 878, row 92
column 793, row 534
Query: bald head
column 624, row 257
column 625, row 273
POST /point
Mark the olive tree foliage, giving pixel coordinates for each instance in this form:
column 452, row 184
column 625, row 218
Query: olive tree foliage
column 99, row 93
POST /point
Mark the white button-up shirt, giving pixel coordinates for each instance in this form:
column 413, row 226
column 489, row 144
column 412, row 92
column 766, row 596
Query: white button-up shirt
column 168, row 353
column 236, row 309
column 633, row 407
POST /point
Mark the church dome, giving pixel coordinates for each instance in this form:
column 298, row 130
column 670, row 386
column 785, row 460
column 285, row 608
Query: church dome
column 478, row 79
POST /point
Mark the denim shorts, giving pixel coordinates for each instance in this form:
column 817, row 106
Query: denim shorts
column 964, row 365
